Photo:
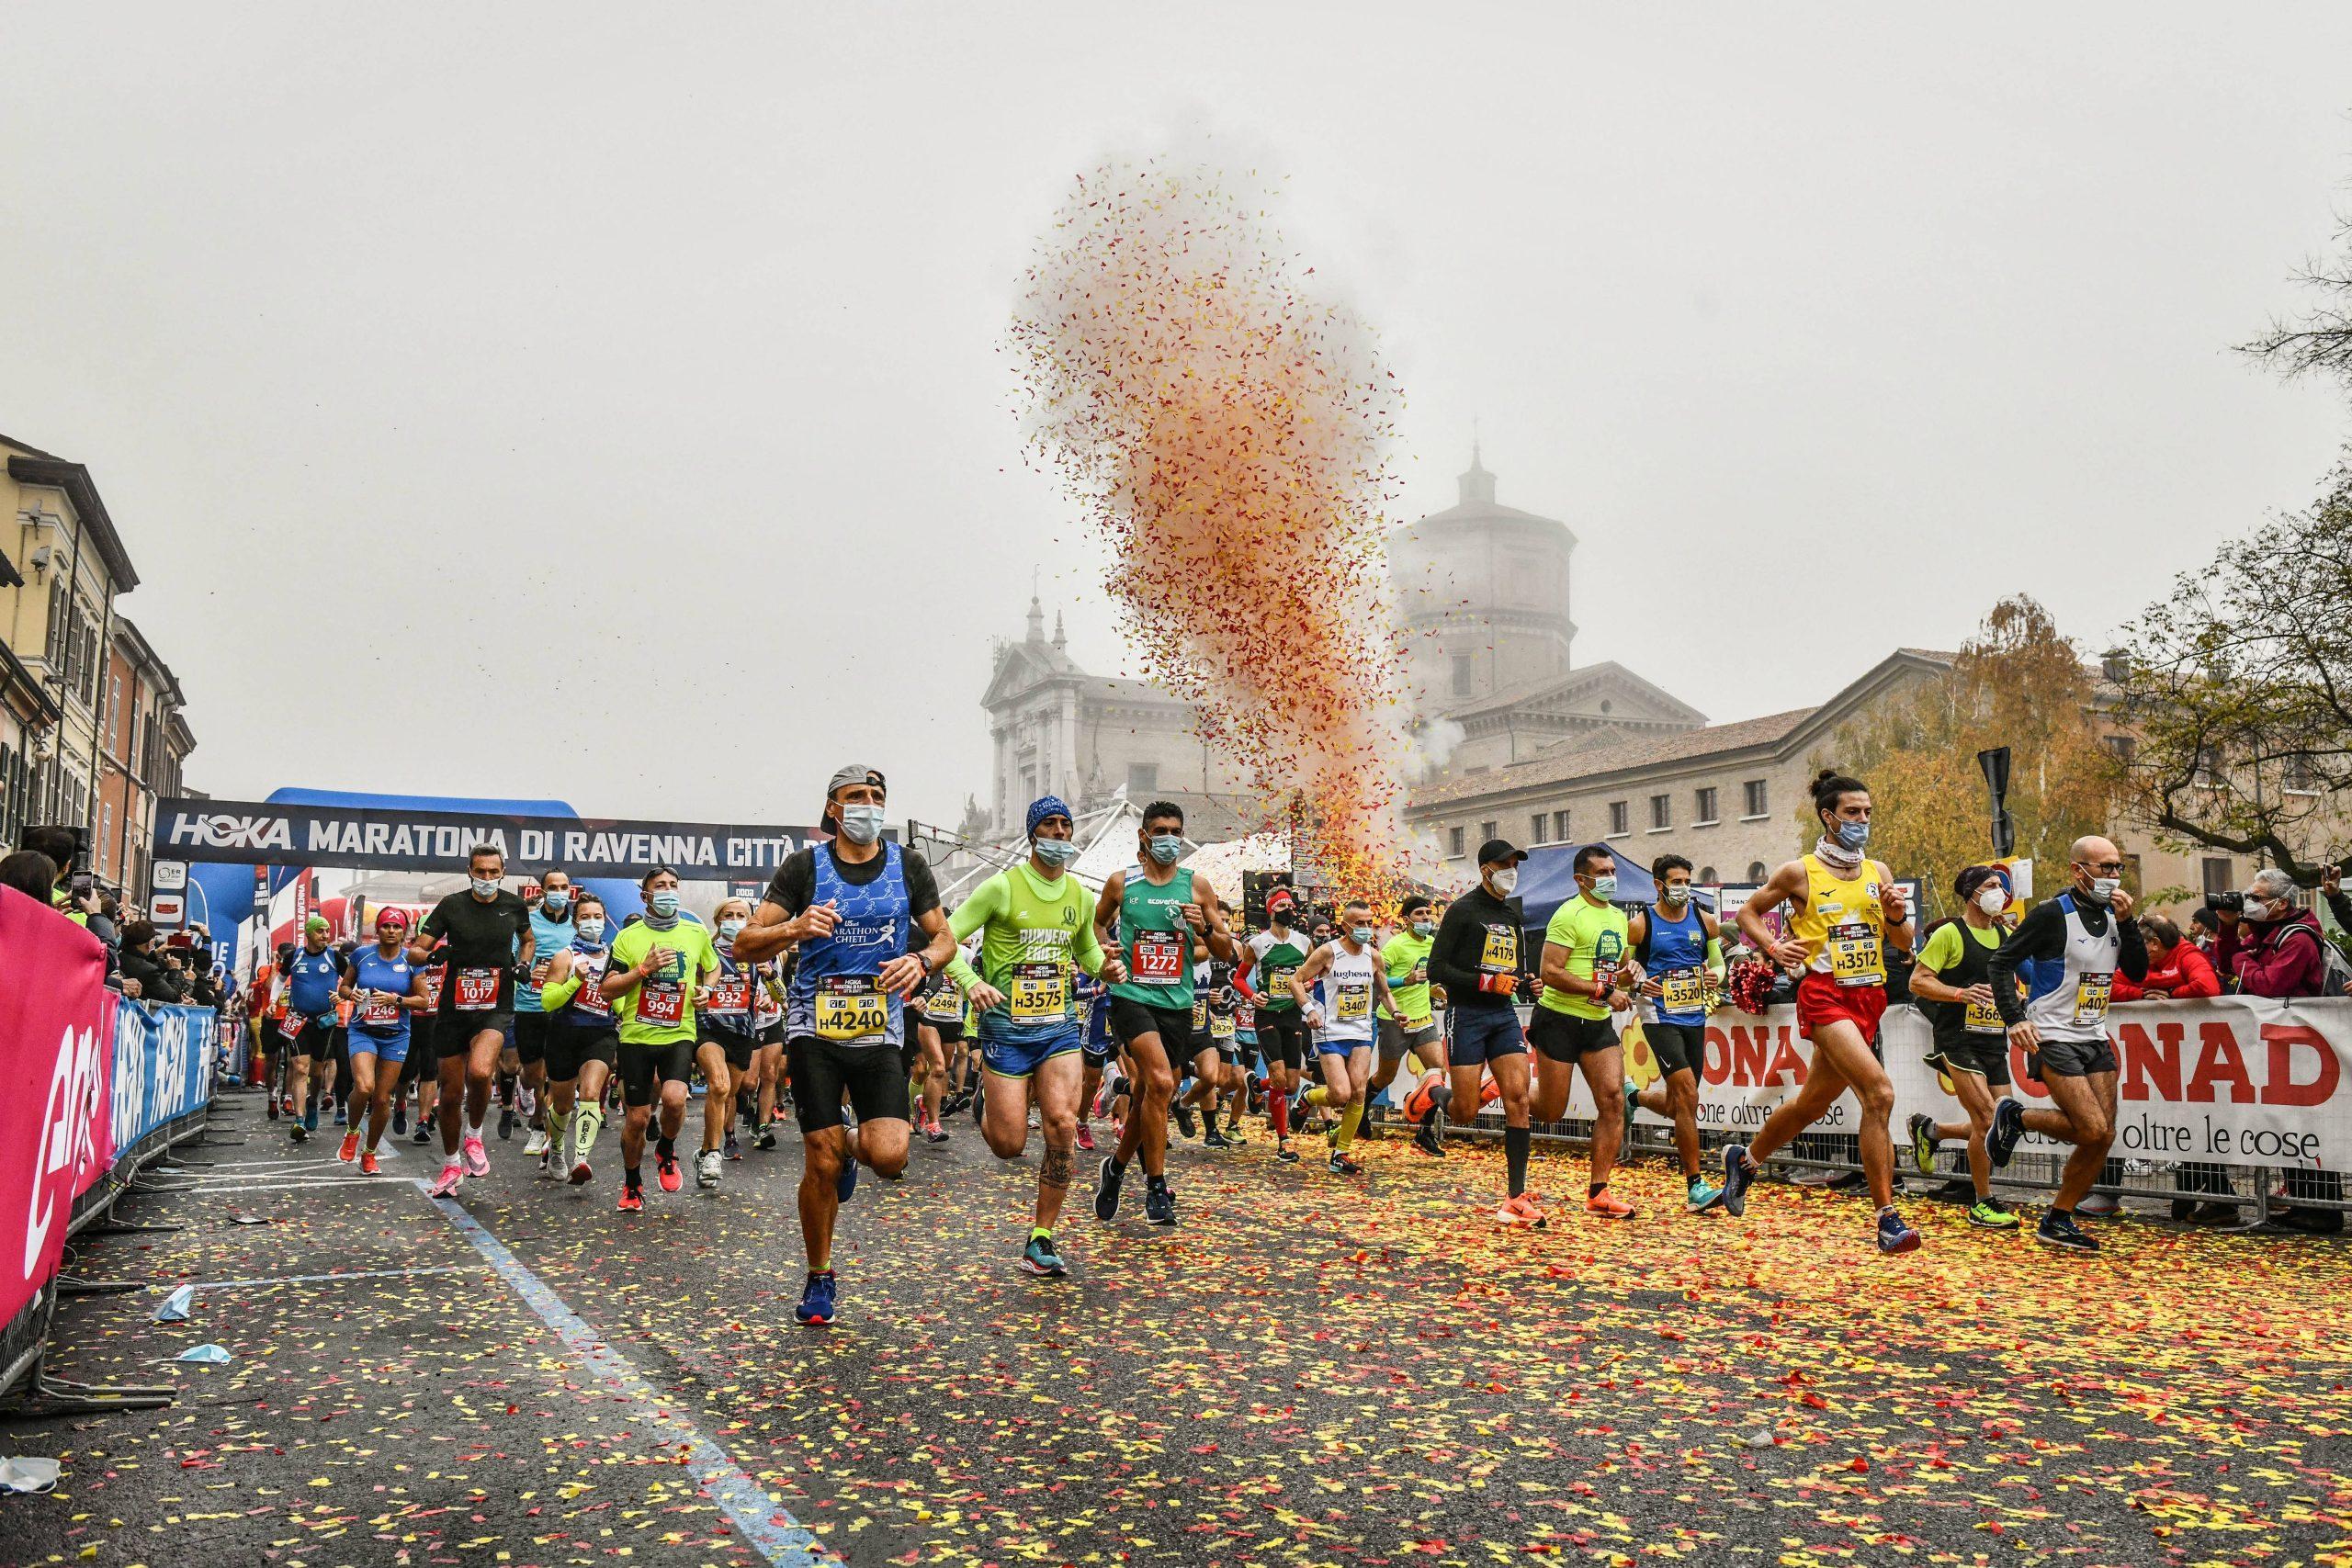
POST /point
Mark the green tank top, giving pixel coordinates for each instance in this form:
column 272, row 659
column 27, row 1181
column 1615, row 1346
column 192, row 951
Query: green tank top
column 1155, row 941
column 1277, row 958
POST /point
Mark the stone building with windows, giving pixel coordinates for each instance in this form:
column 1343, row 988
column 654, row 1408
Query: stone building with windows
column 143, row 739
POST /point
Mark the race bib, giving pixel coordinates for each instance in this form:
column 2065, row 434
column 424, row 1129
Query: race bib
column 730, row 996
column 1220, row 1026
column 290, row 1025
column 1500, row 954
column 2093, row 988
column 1038, row 991
column 433, row 982
column 852, row 1007
column 1200, row 1013
column 379, row 1012
column 1278, row 983
column 1159, row 957
column 590, row 999
column 1981, row 1018
column 662, row 1002
column 1682, row 990
column 944, row 1005
column 1354, row 1002
column 477, row 990
column 1854, row 955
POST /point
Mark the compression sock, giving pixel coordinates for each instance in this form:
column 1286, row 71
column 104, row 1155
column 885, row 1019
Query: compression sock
column 1516, row 1142
column 1349, row 1123
column 1319, row 1095
column 666, row 1147
column 634, row 1181
column 1278, row 1105
column 587, row 1121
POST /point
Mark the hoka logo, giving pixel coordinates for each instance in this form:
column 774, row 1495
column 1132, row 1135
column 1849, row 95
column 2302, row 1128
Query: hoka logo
column 227, row 831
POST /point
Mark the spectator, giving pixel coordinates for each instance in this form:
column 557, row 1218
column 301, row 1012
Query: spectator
column 142, row 969
column 30, row 873
column 2177, row 970
column 2272, row 949
column 2203, row 924
column 2331, row 883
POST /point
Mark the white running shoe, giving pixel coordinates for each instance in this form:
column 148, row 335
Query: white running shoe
column 537, row 1143
column 706, row 1168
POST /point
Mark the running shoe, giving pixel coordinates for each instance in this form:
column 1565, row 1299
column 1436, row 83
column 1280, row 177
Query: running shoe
column 350, row 1150
column 423, row 1133
column 706, row 1168
column 766, row 1140
column 1213, row 1139
column 2009, row 1126
column 299, row 1133
column 368, row 1162
column 846, row 1183
column 2100, row 1206
column 310, row 1119
column 1704, row 1195
column 1738, row 1171
column 1893, row 1235
column 445, row 1184
column 1986, row 1215
column 580, row 1171
column 1107, row 1176
column 505, row 1122
column 1523, row 1209
column 342, row 1119
column 816, row 1300
column 2060, row 1230
column 1608, row 1206
column 535, row 1144
column 400, row 1119
column 632, row 1199
column 1040, row 1258
column 1086, row 1136
column 1426, row 1137
column 734, row 1150
column 1159, row 1205
column 933, row 1132
column 665, row 1170
column 476, row 1158
column 1184, row 1119
column 1235, row 1136
column 1340, row 1165
column 272, row 1103
column 1923, row 1144
column 285, row 1103
column 1284, row 1153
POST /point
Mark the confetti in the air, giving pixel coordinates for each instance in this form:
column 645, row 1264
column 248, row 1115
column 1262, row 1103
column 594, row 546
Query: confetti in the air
column 1225, row 428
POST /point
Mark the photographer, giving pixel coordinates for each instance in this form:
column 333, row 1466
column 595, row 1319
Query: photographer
column 145, row 974
column 2273, row 949
column 75, row 893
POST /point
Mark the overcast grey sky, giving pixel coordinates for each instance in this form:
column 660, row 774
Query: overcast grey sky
column 488, row 395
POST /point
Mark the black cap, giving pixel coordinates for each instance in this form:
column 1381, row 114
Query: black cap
column 1494, row 850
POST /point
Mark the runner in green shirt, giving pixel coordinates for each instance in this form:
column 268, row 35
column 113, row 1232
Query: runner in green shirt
column 1404, row 962
column 1586, row 984
column 651, row 979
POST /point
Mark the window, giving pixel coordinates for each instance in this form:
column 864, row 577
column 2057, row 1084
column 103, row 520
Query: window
column 2302, row 777
column 1453, row 842
column 1706, row 877
column 1028, row 785
column 1757, row 806
column 1620, row 818
column 1661, row 812
column 105, row 838
column 2219, row 877
column 1143, row 781
column 115, row 722
column 2209, row 767
column 1704, row 802
column 1461, row 675
column 2123, row 747
column 1756, row 872
column 1535, row 827
column 58, row 616
column 1559, row 827
column 1486, row 832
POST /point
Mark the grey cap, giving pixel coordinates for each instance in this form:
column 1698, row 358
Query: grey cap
column 855, row 773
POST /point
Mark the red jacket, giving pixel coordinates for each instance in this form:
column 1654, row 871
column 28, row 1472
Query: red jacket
column 2276, row 958
column 2187, row 973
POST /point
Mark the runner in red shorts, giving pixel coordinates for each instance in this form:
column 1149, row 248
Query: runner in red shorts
column 1844, row 910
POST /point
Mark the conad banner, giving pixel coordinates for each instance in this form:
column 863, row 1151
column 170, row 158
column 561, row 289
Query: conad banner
column 163, row 1068
column 55, row 1019
column 389, row 838
column 2235, row 1080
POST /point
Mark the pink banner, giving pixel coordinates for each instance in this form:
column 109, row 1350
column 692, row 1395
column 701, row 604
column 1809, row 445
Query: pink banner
column 56, row 1027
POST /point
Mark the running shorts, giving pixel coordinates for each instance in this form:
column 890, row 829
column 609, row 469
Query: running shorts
column 531, row 1037
column 316, row 1039
column 1098, row 1045
column 1019, row 1059
column 1679, row 1047
column 643, row 1067
column 1822, row 1000
column 1282, row 1037
column 1131, row 1019
column 2070, row 1059
column 571, row 1048
column 1564, row 1037
column 949, row 1032
column 1327, row 1046
column 1484, row 1035
column 1397, row 1040
column 1988, row 1058
column 874, row 1076
column 737, row 1047
column 392, row 1048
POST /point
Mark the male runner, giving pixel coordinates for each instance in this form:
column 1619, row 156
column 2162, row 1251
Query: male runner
column 1845, row 909
column 1408, row 1029
column 1354, row 980
column 1481, row 960
column 1156, row 908
column 1679, row 950
column 583, row 1041
column 851, row 904
column 1033, row 930
column 489, row 932
column 1099, row 1046
column 312, row 977
column 941, row 1029
column 1586, row 982
column 383, row 988
column 657, row 967
column 1276, row 952
column 551, row 933
column 1952, row 985
column 2075, row 942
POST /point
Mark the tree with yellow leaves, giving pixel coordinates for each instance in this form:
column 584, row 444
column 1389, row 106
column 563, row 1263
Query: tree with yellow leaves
column 2017, row 682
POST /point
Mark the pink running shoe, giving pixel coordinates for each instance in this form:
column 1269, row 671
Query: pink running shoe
column 1086, row 1136
column 446, row 1186
column 476, row 1158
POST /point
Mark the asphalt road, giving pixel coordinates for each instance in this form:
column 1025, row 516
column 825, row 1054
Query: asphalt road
column 1308, row 1370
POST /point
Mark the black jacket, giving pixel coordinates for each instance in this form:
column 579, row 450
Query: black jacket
column 1462, row 942
column 155, row 981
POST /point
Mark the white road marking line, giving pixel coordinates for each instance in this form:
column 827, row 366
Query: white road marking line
column 330, row 1278
column 763, row 1521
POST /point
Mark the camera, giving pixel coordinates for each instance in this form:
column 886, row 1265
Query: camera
column 83, row 885
column 2233, row 902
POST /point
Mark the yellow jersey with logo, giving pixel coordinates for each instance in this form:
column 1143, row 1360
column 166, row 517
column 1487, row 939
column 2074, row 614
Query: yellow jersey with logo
column 1842, row 925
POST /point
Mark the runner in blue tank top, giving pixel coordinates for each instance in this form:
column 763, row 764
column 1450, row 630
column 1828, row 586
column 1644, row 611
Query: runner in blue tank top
column 383, row 987
column 1677, row 944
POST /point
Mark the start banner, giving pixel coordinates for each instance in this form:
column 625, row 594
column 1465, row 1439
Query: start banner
column 2234, row 1080
column 56, row 1017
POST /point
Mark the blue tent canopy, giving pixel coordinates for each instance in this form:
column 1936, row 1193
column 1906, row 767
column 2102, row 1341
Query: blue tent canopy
column 1548, row 880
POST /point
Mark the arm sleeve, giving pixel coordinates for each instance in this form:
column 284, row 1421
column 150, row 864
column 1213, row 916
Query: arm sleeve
column 1085, row 948
column 1715, row 957
column 986, row 902
column 555, row 996
column 1455, row 977
column 2042, row 934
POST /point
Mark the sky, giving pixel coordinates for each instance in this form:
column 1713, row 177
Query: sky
column 583, row 402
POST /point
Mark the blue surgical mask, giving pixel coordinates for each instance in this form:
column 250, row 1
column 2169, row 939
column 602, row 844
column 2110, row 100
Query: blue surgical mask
column 485, row 887
column 662, row 904
column 1362, row 934
column 1057, row 851
column 592, row 929
column 1852, row 835
column 1423, row 928
column 554, row 902
column 861, row 824
column 731, row 928
column 1166, row 847
column 1605, row 887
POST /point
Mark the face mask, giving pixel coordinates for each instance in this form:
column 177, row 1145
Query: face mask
column 1851, row 835
column 2252, row 910
column 1505, row 881
column 485, row 885
column 1675, row 896
column 1423, row 928
column 554, row 904
column 731, row 928
column 1056, row 852
column 1362, row 935
column 2103, row 888
column 1166, row 847
column 592, row 929
column 861, row 824
column 1604, row 889
column 1992, row 900
column 662, row 904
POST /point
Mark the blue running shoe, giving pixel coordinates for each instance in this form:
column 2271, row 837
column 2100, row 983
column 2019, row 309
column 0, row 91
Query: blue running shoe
column 2060, row 1230
column 1704, row 1195
column 2009, row 1126
column 1738, row 1171
column 848, row 1182
column 1041, row 1258
column 1159, row 1204
column 816, row 1308
column 1894, row 1235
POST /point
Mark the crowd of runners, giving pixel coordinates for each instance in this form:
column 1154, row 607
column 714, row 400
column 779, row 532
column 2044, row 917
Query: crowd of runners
column 1097, row 1019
